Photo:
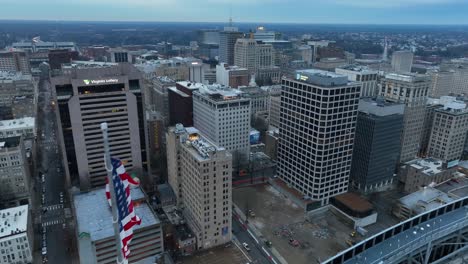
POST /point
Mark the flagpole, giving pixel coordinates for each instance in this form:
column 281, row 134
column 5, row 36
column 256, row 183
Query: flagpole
column 115, row 216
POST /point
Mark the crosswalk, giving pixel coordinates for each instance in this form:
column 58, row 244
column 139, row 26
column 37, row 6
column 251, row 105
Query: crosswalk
column 53, row 207
column 53, row 222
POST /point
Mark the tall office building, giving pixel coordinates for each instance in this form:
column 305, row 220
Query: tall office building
column 363, row 75
column 200, row 174
column 274, row 111
column 253, row 55
column 16, row 61
column 14, row 171
column 449, row 131
column 377, row 144
column 223, row 116
column 14, row 84
column 119, row 55
column 306, row 53
column 411, row 90
column 316, row 135
column 89, row 94
column 402, row 61
column 227, row 40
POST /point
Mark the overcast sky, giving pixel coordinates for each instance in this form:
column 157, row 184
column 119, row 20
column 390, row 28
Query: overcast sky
column 302, row 11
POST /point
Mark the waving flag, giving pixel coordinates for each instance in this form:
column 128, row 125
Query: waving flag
column 127, row 217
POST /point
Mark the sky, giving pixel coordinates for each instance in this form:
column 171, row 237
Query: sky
column 266, row 11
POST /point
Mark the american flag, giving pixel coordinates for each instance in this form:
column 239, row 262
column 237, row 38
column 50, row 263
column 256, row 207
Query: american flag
column 127, row 217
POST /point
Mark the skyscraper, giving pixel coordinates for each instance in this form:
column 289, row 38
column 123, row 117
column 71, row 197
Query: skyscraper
column 227, row 40
column 367, row 78
column 92, row 93
column 377, row 144
column 402, row 61
column 223, row 116
column 317, row 124
column 14, row 61
column 200, row 174
column 412, row 90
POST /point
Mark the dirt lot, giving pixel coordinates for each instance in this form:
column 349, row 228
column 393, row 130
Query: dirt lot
column 280, row 221
column 225, row 255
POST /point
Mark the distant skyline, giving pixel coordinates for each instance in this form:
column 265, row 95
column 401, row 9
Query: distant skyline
column 257, row 11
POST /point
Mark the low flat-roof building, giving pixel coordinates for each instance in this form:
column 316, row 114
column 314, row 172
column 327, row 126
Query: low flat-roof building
column 25, row 127
column 95, row 233
column 16, row 236
column 419, row 202
column 419, row 173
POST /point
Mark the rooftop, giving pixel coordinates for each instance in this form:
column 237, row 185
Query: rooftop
column 198, row 145
column 218, row 92
column 20, row 123
column 9, row 142
column 425, row 199
column 183, row 232
column 354, row 202
column 380, row 107
column 88, row 64
column 358, row 68
column 456, row 187
column 429, row 166
column 13, row 220
column 322, row 78
column 13, row 76
column 94, row 216
column 407, row 77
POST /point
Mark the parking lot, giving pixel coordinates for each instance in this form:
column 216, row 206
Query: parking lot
column 226, row 255
column 283, row 223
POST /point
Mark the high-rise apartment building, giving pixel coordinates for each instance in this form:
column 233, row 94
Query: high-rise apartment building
column 227, row 40
column 89, row 94
column 16, row 236
column 16, row 61
column 377, row 144
column 449, row 131
column 200, row 174
column 402, row 61
column 14, row 171
column 253, row 55
column 223, row 116
column 232, row 76
column 411, row 90
column 363, row 75
column 316, row 134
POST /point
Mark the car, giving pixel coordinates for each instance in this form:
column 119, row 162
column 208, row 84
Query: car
column 44, row 238
column 44, row 230
column 61, row 194
column 43, row 178
column 64, row 225
column 246, row 246
column 44, row 251
column 43, row 188
column 61, row 199
column 43, row 199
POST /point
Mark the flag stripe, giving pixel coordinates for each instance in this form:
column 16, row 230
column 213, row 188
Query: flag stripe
column 126, row 213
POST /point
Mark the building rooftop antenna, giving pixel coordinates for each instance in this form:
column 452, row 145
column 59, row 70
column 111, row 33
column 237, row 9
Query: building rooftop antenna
column 230, row 15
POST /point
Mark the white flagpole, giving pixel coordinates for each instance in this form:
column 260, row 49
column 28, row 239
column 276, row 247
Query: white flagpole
column 115, row 216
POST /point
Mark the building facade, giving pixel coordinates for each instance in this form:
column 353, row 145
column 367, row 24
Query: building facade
column 377, row 145
column 16, row 236
column 205, row 181
column 14, row 171
column 402, row 61
column 412, row 90
column 13, row 84
column 232, row 76
column 449, row 130
column 87, row 95
column 223, row 116
column 227, row 40
column 316, row 135
column 181, row 103
column 367, row 78
column 253, row 55
column 16, row 61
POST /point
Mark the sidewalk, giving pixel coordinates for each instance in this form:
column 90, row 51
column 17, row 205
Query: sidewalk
column 258, row 234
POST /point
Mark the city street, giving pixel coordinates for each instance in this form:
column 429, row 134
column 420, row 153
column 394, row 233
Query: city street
column 258, row 250
column 51, row 198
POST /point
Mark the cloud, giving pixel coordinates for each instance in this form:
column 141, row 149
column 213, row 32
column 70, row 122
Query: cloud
column 393, row 3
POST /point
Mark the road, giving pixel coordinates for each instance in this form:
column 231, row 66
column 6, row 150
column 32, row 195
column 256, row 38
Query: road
column 51, row 210
column 257, row 247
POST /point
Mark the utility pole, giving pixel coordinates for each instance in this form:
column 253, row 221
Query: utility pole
column 115, row 216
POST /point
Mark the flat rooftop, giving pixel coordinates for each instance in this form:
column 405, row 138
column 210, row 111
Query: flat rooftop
column 198, row 145
column 13, row 76
column 217, row 92
column 380, row 107
column 321, row 78
column 88, row 64
column 425, row 199
column 407, row 77
column 456, row 187
column 13, row 220
column 20, row 123
column 94, row 216
column 429, row 166
column 9, row 142
column 358, row 68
